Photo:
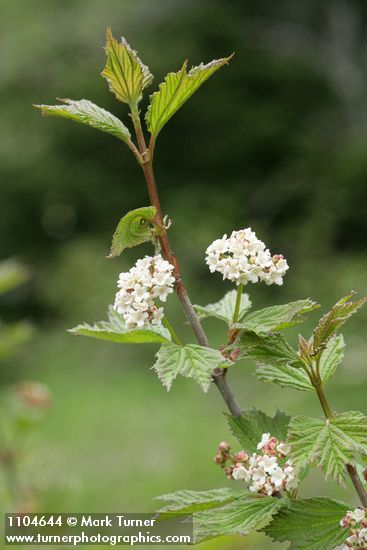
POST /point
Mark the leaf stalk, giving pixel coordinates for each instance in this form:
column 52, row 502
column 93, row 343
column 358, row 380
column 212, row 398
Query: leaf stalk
column 351, row 469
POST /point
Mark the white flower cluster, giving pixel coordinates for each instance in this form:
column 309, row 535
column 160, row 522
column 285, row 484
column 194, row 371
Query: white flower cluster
column 149, row 279
column 356, row 522
column 269, row 472
column 243, row 258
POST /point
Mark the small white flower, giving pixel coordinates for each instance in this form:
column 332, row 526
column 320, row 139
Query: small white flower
column 358, row 514
column 291, row 482
column 240, row 473
column 256, row 487
column 259, row 476
column 253, row 460
column 277, row 477
column 268, row 463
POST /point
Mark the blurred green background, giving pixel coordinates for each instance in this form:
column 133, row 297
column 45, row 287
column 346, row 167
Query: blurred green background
column 276, row 141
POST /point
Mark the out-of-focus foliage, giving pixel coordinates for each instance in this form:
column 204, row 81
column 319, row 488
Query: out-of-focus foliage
column 12, row 335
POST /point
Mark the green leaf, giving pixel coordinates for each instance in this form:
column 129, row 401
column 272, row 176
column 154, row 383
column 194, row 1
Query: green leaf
column 286, row 376
column 175, row 90
column 194, row 501
column 12, row 274
column 133, row 229
column 334, row 319
column 267, row 348
column 114, row 330
column 224, row 309
column 331, row 357
column 238, row 517
column 12, row 336
column 311, row 524
column 126, row 75
column 191, row 361
column 278, row 317
column 329, row 444
column 249, row 427
column 86, row 112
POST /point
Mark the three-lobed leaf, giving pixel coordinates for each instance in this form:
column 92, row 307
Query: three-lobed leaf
column 239, row 517
column 249, row 427
column 330, row 443
column 287, row 376
column 133, row 229
column 114, row 330
column 86, row 112
column 334, row 319
column 278, row 317
column 311, row 524
column 267, row 348
column 191, row 361
column 176, row 89
column 224, row 308
column 126, row 75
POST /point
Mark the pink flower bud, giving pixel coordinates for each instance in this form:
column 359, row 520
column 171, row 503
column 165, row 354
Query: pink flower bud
column 224, row 447
column 228, row 471
column 218, row 459
column 270, row 447
column 242, row 456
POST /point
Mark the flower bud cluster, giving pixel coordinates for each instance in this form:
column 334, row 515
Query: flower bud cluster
column 243, row 258
column 356, row 522
column 266, row 473
column 151, row 278
column 33, row 395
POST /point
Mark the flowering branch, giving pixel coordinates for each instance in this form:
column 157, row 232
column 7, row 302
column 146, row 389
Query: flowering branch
column 219, row 375
column 287, row 445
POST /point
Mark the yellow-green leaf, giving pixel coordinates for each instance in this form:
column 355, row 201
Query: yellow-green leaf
column 334, row 319
column 133, row 229
column 114, row 330
column 191, row 361
column 126, row 75
column 86, row 112
column 175, row 90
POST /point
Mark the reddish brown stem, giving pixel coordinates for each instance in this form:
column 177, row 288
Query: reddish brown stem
column 219, row 375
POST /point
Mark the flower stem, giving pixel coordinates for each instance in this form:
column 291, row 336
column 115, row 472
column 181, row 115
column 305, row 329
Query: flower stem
column 219, row 375
column 168, row 325
column 238, row 303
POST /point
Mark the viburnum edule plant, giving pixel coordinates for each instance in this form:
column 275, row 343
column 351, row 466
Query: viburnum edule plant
column 275, row 454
